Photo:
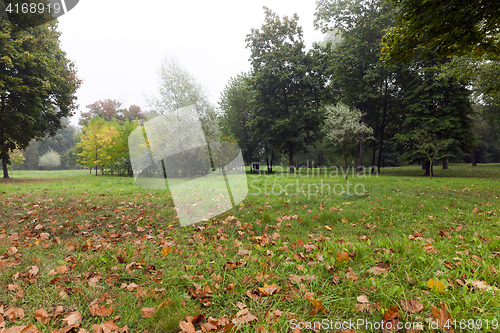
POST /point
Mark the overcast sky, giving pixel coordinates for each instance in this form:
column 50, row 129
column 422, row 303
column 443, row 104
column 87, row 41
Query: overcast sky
column 118, row 45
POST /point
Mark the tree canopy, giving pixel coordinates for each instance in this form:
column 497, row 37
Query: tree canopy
column 444, row 28
column 288, row 82
column 37, row 86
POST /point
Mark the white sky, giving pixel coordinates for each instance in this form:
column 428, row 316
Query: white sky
column 118, row 45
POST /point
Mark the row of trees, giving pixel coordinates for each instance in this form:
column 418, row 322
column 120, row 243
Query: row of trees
column 422, row 108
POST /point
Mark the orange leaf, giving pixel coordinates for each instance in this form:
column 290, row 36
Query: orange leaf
column 166, row 251
column 436, row 283
column 148, row 312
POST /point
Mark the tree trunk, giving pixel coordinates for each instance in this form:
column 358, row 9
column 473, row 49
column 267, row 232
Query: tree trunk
column 345, row 162
column 382, row 129
column 290, row 156
column 427, row 166
column 473, row 158
column 269, row 162
column 5, row 169
column 445, row 163
column 361, row 149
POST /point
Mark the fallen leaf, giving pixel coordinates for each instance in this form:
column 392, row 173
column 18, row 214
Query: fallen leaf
column 436, row 283
column 443, row 317
column 22, row 329
column 363, row 299
column 14, row 313
column 148, row 312
column 269, row 289
column 72, row 318
column 41, row 315
column 411, row 306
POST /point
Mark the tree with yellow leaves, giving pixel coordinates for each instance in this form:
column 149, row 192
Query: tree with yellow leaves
column 95, row 138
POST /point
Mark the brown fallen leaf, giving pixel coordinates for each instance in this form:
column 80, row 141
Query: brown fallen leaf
column 269, row 289
column 148, row 312
column 72, row 318
column 41, row 315
column 443, row 317
column 14, row 313
column 243, row 317
column 411, row 306
column 186, row 327
column 22, row 329
column 100, row 310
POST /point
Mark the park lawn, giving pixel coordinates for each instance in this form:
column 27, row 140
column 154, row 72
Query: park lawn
column 102, row 254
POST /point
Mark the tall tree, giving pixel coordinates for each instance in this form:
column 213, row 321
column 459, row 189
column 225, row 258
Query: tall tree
column 437, row 115
column 236, row 119
column 359, row 77
column 37, row 86
column 288, row 82
column 444, row 28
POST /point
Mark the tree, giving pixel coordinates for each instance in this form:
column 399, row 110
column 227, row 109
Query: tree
column 50, row 159
column 444, row 28
column 236, row 119
column 343, row 126
column 110, row 109
column 37, row 86
column 178, row 89
column 289, row 84
column 440, row 108
column 95, row 139
column 360, row 79
column 117, row 153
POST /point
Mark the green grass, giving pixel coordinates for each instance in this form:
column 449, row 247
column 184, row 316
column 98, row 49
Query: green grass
column 293, row 224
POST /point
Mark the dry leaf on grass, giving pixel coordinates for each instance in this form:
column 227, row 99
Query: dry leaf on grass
column 148, row 312
column 22, row 329
column 411, row 306
column 14, row 313
column 41, row 315
column 72, row 318
column 443, row 317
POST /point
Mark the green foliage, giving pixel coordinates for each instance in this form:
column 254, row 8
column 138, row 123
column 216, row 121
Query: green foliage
column 289, row 84
column 37, row 85
column 445, row 28
column 236, row 103
column 438, row 107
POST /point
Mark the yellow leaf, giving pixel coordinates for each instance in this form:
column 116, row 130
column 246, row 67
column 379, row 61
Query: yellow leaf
column 327, row 228
column 344, row 256
column 166, row 251
column 436, row 283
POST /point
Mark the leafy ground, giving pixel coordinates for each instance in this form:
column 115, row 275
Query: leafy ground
column 80, row 253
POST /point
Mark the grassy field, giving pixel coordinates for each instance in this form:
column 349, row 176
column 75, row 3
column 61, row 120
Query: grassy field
column 85, row 253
